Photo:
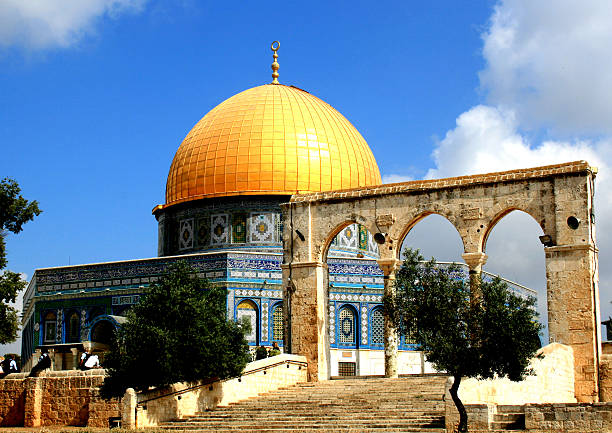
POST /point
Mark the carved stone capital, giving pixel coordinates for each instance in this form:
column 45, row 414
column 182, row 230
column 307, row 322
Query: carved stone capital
column 388, row 266
column 474, row 260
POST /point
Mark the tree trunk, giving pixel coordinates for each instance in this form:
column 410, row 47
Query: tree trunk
column 463, row 417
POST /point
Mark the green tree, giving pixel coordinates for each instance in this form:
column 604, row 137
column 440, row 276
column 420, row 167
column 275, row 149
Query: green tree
column 490, row 333
column 15, row 211
column 178, row 332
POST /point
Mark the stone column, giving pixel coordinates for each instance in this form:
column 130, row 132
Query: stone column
column 308, row 325
column 54, row 365
column 128, row 409
column 573, row 311
column 75, row 357
column 33, row 402
column 475, row 261
column 388, row 267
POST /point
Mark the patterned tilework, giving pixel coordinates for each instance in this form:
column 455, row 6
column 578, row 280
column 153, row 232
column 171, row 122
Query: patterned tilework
column 239, row 228
column 58, row 326
column 264, row 320
column 262, row 228
column 186, row 234
column 203, row 232
column 348, row 272
column 219, row 232
column 332, row 323
column 364, row 325
column 84, row 328
column 348, row 237
column 363, row 238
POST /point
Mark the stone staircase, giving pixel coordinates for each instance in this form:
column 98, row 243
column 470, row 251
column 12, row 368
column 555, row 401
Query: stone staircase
column 355, row 405
column 509, row 418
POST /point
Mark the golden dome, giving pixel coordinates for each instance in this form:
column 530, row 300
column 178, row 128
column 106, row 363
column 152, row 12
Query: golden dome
column 271, row 139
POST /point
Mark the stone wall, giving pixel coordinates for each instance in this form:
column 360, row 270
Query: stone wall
column 605, row 378
column 552, row 382
column 182, row 399
column 12, row 400
column 55, row 398
column 568, row 418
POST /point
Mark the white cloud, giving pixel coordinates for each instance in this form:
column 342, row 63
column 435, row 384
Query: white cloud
column 39, row 24
column 547, row 71
column 551, row 63
column 487, row 139
column 396, row 178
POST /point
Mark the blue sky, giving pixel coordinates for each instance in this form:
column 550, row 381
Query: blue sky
column 96, row 96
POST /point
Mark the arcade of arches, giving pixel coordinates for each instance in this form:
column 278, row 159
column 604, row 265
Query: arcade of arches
column 559, row 198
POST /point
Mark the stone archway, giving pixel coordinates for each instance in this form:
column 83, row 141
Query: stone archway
column 559, row 197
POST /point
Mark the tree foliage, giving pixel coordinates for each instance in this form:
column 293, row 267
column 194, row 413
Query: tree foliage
column 178, row 332
column 490, row 333
column 15, row 211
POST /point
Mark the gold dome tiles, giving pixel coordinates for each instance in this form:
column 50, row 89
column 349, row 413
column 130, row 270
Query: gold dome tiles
column 271, row 139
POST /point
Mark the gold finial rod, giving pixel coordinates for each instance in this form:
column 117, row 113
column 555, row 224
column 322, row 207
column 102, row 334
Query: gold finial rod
column 275, row 65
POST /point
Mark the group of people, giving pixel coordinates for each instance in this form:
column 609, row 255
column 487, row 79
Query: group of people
column 86, row 362
column 262, row 352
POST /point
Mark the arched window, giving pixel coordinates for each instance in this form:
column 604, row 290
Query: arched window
column 103, row 332
column 346, row 326
column 277, row 323
column 73, row 334
column 50, row 328
column 377, row 323
column 247, row 311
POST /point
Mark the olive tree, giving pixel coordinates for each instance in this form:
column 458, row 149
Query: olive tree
column 178, row 332
column 491, row 332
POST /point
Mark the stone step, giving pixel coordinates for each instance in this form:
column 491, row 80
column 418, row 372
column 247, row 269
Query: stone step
column 345, row 405
column 262, row 429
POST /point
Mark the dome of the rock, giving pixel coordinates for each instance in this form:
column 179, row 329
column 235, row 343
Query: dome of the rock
column 270, row 140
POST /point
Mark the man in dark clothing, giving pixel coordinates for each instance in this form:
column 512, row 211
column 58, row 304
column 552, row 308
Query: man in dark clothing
column 44, row 362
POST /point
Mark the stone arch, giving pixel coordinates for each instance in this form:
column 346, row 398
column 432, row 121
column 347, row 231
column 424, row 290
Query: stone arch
column 552, row 195
column 498, row 217
column 404, row 229
column 102, row 330
column 326, row 242
column 249, row 309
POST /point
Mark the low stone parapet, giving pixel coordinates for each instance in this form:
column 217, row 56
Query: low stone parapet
column 149, row 409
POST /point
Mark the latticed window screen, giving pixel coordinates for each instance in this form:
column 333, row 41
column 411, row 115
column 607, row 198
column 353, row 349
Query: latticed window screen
column 378, row 328
column 277, row 323
column 346, row 369
column 73, row 328
column 346, row 324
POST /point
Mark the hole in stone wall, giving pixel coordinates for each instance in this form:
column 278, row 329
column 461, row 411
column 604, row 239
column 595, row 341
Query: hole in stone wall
column 573, row 222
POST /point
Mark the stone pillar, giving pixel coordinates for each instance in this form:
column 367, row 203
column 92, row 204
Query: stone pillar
column 33, row 402
column 54, row 366
column 573, row 311
column 75, row 357
column 475, row 261
column 388, row 267
column 128, row 409
column 308, row 324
